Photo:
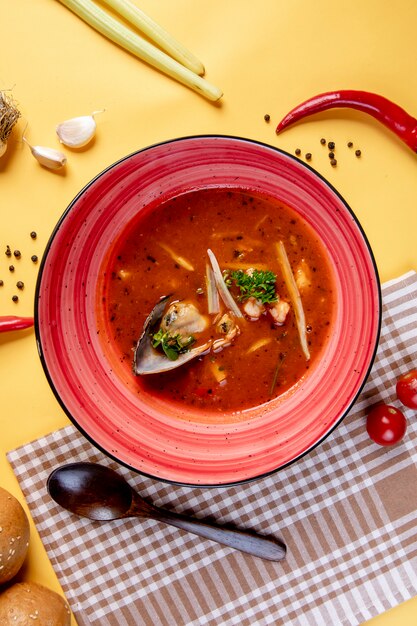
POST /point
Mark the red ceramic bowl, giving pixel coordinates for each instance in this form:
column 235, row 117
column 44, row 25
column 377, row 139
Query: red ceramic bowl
column 159, row 440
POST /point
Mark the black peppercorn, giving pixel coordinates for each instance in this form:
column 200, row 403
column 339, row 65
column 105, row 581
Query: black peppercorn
column 322, row 141
column 34, row 258
column 358, row 153
column 33, row 234
column 298, row 151
column 331, row 155
column 308, row 156
column 20, row 284
column 17, row 254
column 8, row 251
column 11, row 268
column 1, row 283
column 267, row 117
column 333, row 162
column 350, row 144
column 15, row 298
column 331, row 145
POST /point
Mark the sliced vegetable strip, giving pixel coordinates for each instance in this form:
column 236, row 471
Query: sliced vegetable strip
column 213, row 303
column 240, row 265
column 156, row 33
column 137, row 45
column 221, row 286
column 294, row 296
column 177, row 258
column 264, row 341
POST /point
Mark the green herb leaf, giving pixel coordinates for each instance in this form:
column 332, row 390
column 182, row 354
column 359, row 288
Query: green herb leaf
column 259, row 285
column 172, row 345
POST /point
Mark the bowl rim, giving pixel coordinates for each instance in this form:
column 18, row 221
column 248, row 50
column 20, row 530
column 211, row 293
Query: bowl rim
column 37, row 295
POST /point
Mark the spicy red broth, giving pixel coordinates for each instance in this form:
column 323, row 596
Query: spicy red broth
column 165, row 252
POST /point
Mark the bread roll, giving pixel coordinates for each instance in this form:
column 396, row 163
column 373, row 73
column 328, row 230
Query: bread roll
column 30, row 604
column 14, row 536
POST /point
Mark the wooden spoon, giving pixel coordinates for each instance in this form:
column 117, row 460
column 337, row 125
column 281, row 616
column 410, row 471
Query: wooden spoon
column 97, row 492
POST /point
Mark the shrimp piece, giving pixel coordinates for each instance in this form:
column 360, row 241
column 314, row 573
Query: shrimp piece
column 279, row 312
column 253, row 308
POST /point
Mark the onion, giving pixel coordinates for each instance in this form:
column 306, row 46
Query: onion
column 294, row 296
column 213, row 302
column 221, row 286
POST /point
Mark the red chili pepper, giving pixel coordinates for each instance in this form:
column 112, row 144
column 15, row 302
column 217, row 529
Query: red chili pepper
column 388, row 113
column 13, row 322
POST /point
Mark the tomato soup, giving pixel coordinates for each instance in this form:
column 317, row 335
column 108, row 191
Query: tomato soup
column 165, row 253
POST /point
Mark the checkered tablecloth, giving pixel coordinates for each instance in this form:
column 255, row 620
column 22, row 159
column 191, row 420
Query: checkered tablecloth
column 347, row 512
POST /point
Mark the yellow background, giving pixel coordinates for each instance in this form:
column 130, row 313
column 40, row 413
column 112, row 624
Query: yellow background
column 267, row 56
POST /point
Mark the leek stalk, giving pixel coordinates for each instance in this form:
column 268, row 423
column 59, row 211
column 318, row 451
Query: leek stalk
column 213, row 302
column 140, row 47
column 294, row 296
column 221, row 286
column 131, row 13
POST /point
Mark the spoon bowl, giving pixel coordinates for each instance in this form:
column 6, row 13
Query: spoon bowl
column 99, row 493
column 91, row 490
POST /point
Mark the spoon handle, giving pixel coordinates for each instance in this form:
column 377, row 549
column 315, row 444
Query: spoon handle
column 263, row 547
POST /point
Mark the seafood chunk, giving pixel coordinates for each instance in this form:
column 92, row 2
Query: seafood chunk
column 147, row 360
column 183, row 319
column 279, row 312
column 227, row 327
column 253, row 308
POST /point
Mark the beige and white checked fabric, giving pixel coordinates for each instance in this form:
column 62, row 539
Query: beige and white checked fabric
column 347, row 512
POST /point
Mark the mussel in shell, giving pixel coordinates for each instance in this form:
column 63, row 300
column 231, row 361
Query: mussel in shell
column 182, row 320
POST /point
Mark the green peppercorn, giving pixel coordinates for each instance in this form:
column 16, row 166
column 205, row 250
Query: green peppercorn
column 15, row 298
column 20, row 284
column 358, row 153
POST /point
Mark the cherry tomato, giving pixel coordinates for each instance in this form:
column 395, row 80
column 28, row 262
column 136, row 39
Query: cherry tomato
column 385, row 424
column 407, row 389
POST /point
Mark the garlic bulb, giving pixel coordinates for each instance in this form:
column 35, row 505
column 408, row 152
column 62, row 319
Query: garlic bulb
column 3, row 148
column 48, row 157
column 78, row 131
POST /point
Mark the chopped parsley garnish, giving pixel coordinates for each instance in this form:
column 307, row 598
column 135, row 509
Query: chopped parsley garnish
column 172, row 345
column 258, row 284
